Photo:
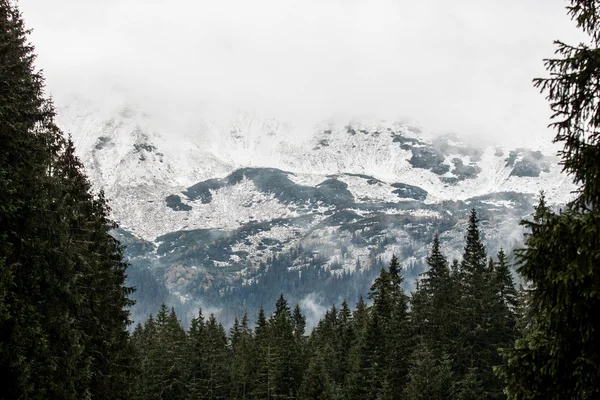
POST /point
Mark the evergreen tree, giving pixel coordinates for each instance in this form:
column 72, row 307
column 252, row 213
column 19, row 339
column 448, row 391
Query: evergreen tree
column 261, row 379
column 299, row 347
column 505, row 314
column 143, row 341
column 323, row 344
column 558, row 358
column 345, row 335
column 479, row 338
column 39, row 340
column 356, row 387
column 430, row 378
column 434, row 303
column 101, row 313
column 63, row 323
column 241, row 365
column 379, row 358
column 317, row 385
column 165, row 367
column 471, row 387
column 504, row 280
column 284, row 368
column 400, row 341
column 196, row 345
column 216, row 362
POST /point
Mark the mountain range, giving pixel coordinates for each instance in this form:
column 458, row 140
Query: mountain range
column 225, row 215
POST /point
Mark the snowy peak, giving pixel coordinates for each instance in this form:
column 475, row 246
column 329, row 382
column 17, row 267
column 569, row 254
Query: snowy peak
column 206, row 205
column 155, row 166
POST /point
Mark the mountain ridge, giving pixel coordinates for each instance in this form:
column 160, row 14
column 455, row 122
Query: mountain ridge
column 206, row 209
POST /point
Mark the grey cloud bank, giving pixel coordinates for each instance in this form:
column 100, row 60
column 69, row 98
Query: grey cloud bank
column 464, row 66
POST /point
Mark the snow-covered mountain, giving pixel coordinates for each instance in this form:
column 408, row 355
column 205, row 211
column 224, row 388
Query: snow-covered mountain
column 202, row 202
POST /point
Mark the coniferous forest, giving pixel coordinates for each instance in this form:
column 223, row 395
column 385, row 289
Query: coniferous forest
column 465, row 332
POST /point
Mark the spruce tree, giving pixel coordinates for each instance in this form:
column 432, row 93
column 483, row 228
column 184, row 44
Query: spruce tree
column 241, row 384
column 284, row 369
column 165, row 368
column 400, row 341
column 39, row 342
column 434, row 303
column 356, row 386
column 196, row 347
column 430, row 377
column 346, row 334
column 504, row 279
column 216, row 363
column 479, row 337
column 558, row 358
column 317, row 384
column 261, row 379
column 63, row 318
column 471, row 387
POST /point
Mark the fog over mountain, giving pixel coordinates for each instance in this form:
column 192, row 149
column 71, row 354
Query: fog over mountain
column 249, row 148
column 227, row 214
column 447, row 65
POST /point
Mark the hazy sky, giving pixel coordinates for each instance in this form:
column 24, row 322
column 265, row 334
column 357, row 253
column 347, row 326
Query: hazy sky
column 462, row 65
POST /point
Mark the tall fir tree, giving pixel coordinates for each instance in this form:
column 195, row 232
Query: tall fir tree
column 63, row 323
column 558, row 358
column 400, row 341
column 430, row 377
column 241, row 366
column 479, row 338
column 195, row 349
column 356, row 386
column 434, row 303
column 261, row 379
column 215, row 360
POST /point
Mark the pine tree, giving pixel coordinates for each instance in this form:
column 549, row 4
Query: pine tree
column 165, row 368
column 379, row 360
column 434, row 303
column 356, row 387
column 400, row 341
column 143, row 341
column 260, row 376
column 471, row 387
column 102, row 313
column 299, row 348
column 39, row 341
column 241, row 364
column 430, row 377
column 479, row 337
column 435, row 320
column 558, row 358
column 504, row 280
column 196, row 348
column 216, row 362
column 63, row 323
column 346, row 335
column 317, row 385
column 284, row 368
column 505, row 316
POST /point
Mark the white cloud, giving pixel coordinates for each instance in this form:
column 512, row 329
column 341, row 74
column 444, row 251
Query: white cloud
column 463, row 66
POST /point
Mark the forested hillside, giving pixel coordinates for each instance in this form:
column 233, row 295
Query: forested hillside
column 465, row 332
column 439, row 342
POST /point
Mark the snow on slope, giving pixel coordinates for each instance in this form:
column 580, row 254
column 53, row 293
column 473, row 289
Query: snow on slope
column 139, row 158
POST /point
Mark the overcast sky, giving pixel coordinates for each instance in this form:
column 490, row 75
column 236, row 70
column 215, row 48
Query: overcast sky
column 461, row 65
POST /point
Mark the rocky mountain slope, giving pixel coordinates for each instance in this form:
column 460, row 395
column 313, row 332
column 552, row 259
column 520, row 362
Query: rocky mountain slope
column 212, row 212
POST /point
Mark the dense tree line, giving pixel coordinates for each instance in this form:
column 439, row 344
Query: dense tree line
column 63, row 303
column 440, row 342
